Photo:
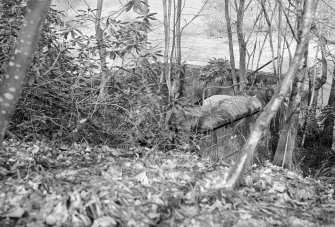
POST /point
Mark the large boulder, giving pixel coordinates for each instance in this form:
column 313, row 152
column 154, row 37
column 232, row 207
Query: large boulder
column 214, row 100
column 220, row 110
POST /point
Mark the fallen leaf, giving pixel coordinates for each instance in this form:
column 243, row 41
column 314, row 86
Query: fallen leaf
column 153, row 215
column 142, row 178
column 245, row 215
column 170, row 164
column 58, row 216
column 35, row 149
column 88, row 149
column 132, row 222
column 138, row 165
column 104, row 221
column 297, row 222
column 16, row 212
column 79, row 220
column 277, row 187
column 201, row 165
column 173, row 175
column 303, row 194
column 116, row 152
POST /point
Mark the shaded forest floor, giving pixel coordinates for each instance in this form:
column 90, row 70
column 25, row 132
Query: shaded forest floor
column 44, row 185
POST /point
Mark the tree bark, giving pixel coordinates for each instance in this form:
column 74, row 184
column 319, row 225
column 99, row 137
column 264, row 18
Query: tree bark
column 242, row 44
column 287, row 140
column 268, row 21
column 102, row 51
column 279, row 37
column 172, row 53
column 231, row 46
column 314, row 90
column 272, row 107
column 181, row 70
column 328, row 125
column 146, row 30
column 20, row 60
column 166, row 76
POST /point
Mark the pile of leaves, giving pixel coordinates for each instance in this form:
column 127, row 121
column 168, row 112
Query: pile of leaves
column 58, row 185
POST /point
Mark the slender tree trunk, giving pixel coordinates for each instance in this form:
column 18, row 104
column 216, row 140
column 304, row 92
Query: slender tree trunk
column 268, row 21
column 279, row 37
column 280, row 62
column 102, row 51
column 166, row 76
column 19, row 62
column 242, row 44
column 328, row 125
column 231, row 46
column 173, row 47
column 146, row 29
column 324, row 67
column 181, row 70
column 287, row 140
column 259, row 57
column 272, row 107
column 314, row 88
column 324, row 72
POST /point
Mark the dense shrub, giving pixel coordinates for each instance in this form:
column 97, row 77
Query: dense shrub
column 217, row 71
column 60, row 96
column 46, row 92
column 152, row 114
column 59, row 100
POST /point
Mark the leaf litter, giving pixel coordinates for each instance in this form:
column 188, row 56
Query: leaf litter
column 79, row 185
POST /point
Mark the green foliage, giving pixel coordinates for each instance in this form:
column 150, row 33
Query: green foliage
column 314, row 129
column 45, row 101
column 327, row 117
column 138, row 6
column 263, row 92
column 10, row 21
column 59, row 99
column 327, row 112
column 121, row 39
column 316, row 157
column 316, row 161
column 218, row 71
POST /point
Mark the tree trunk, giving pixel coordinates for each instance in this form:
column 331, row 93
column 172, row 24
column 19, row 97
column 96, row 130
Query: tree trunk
column 272, row 107
column 314, row 88
column 242, row 44
column 268, row 21
column 166, row 76
column 20, row 60
column 231, row 46
column 328, row 124
column 181, row 70
column 173, row 48
column 145, row 28
column 323, row 79
column 102, row 51
column 279, row 37
column 287, row 140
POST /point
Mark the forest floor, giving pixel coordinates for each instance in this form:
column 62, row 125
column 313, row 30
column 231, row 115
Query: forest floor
column 79, row 185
